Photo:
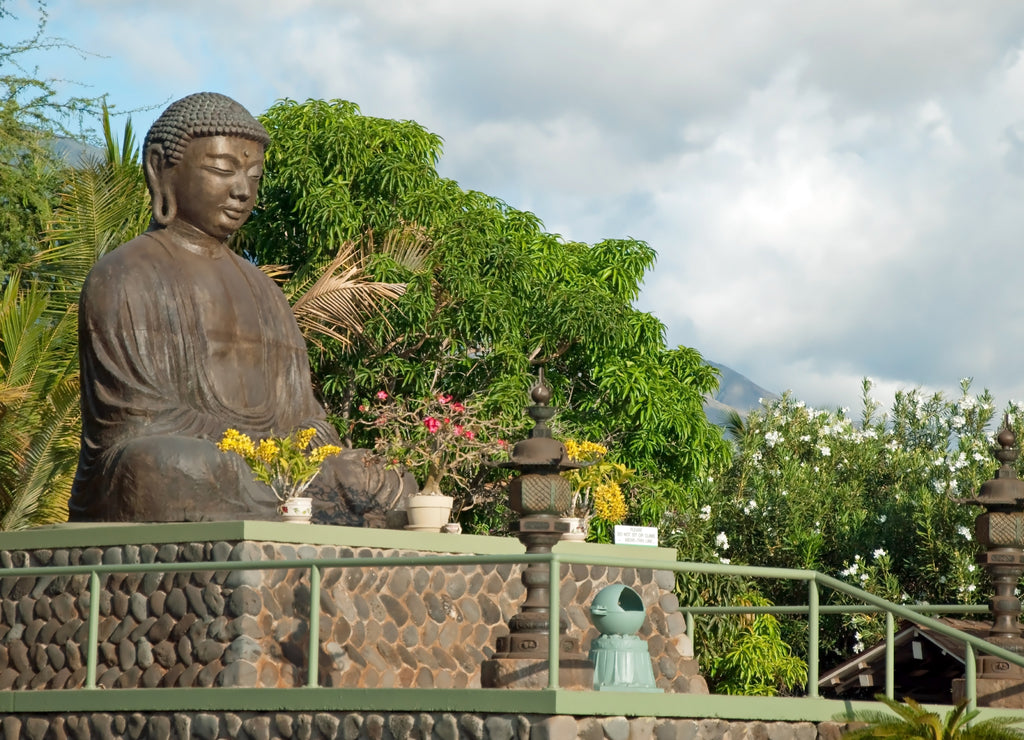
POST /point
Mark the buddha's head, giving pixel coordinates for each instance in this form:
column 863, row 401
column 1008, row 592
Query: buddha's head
column 203, row 159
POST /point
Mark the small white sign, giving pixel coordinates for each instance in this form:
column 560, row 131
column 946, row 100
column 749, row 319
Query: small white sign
column 636, row 535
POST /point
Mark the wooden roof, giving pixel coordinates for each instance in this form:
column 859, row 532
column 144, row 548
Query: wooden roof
column 926, row 662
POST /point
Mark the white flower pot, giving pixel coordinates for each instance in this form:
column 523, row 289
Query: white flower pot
column 428, row 513
column 577, row 531
column 298, row 509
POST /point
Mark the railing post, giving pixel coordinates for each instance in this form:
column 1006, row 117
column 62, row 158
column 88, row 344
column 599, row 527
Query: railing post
column 890, row 655
column 313, row 678
column 554, row 618
column 94, row 630
column 971, row 677
column 812, row 638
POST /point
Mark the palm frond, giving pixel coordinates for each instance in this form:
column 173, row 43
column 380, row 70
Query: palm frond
column 278, row 273
column 101, row 206
column 409, row 247
column 335, row 300
column 21, row 331
column 39, row 412
column 735, row 425
column 125, row 154
column 48, row 469
column 911, row 721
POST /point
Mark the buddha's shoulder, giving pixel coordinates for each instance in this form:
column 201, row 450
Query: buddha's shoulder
column 134, row 268
column 258, row 279
column 245, row 265
column 142, row 250
column 145, row 262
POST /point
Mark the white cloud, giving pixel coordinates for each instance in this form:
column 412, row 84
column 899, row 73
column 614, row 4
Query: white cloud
column 833, row 188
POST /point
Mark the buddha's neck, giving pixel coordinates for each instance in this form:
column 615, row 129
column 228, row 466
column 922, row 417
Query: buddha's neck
column 186, row 235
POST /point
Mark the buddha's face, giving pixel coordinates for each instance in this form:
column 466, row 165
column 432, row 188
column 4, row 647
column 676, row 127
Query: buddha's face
column 214, row 185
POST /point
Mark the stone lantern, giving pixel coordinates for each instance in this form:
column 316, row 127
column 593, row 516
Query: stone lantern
column 1000, row 530
column 539, row 494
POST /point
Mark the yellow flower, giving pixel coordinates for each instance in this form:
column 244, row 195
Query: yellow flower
column 585, row 450
column 320, row 454
column 279, row 462
column 235, row 441
column 268, row 450
column 609, row 503
column 304, row 437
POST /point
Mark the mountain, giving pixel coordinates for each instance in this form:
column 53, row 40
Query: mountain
column 735, row 393
column 75, row 152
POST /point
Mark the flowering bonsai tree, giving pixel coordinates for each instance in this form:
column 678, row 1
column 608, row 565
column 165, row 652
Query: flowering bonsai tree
column 597, row 488
column 443, row 442
column 283, row 463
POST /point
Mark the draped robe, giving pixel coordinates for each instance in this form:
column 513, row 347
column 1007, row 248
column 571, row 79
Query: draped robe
column 176, row 345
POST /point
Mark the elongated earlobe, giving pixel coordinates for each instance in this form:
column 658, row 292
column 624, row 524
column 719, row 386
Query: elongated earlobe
column 160, row 192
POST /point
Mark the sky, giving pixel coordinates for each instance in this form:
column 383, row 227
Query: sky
column 834, row 189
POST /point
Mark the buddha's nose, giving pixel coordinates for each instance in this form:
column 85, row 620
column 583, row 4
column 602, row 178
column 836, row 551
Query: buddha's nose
column 242, row 188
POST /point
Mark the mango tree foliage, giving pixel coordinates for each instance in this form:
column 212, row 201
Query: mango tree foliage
column 496, row 297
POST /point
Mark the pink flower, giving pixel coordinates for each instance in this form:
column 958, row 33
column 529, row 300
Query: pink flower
column 362, row 407
column 503, row 443
column 382, row 395
column 444, row 397
column 457, row 428
column 469, row 434
column 431, row 424
column 381, row 420
column 458, row 408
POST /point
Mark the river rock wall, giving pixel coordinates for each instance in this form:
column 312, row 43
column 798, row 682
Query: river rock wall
column 380, row 627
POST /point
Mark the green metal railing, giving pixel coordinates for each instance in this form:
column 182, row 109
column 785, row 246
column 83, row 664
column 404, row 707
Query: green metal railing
column 315, row 567
column 890, row 623
column 814, row 610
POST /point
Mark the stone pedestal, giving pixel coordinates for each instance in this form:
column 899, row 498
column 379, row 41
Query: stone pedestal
column 1004, row 693
column 574, row 672
column 521, row 663
column 521, row 657
column 999, row 682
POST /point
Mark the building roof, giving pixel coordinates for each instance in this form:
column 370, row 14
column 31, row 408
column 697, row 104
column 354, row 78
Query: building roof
column 926, row 662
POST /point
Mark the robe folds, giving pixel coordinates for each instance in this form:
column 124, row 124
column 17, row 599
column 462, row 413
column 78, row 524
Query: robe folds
column 177, row 345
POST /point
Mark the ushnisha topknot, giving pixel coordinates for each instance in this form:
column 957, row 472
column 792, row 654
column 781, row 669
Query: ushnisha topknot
column 201, row 114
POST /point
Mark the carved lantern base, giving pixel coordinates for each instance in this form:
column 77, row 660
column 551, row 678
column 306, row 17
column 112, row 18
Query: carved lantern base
column 574, row 672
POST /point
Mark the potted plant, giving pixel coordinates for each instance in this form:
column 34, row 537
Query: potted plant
column 286, row 464
column 596, row 488
column 441, row 441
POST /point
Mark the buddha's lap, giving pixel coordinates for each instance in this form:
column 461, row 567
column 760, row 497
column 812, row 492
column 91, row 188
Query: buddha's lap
column 175, row 478
column 188, row 456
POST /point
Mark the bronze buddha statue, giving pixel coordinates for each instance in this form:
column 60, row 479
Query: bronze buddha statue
column 180, row 339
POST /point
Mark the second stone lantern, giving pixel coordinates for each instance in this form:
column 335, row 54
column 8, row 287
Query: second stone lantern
column 1000, row 531
column 539, row 495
